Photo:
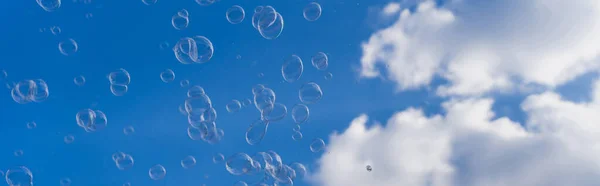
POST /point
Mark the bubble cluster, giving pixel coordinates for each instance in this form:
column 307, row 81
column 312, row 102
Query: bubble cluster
column 201, row 116
column 197, row 49
column 180, row 20
column 91, row 120
column 27, row 91
column 122, row 160
column 119, row 82
column 268, row 22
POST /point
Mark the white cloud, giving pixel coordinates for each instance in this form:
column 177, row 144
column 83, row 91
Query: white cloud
column 559, row 145
column 483, row 46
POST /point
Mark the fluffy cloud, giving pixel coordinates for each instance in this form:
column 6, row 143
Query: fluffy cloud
column 482, row 46
column 558, row 145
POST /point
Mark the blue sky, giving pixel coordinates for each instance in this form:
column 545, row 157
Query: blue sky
column 127, row 34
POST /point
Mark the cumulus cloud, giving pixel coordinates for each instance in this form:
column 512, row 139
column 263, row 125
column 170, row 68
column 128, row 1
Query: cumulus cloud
column 483, row 46
column 558, row 145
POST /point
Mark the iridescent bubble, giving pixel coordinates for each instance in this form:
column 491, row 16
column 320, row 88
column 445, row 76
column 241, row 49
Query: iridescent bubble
column 157, row 172
column 205, row 2
column 317, row 145
column 197, row 49
column 167, row 76
column 274, row 112
column 79, row 80
column 180, row 22
column 292, row 68
column 128, row 130
column 18, row 153
column 55, row 30
column 184, row 83
column 310, row 93
column 188, row 162
column 119, row 77
column 239, row 164
column 320, row 61
column 125, row 162
column 235, row 14
column 297, row 136
column 118, row 90
column 256, row 131
column 218, row 158
column 149, row 2
column 271, row 31
column 65, row 182
column 312, row 11
column 49, row 5
column 31, row 125
column 300, row 113
column 233, row 106
column 68, row 47
column 69, row 139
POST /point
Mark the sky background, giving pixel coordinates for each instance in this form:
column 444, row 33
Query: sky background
column 128, row 34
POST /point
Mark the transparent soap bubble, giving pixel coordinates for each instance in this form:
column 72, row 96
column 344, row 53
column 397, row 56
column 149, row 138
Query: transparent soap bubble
column 274, row 112
column 239, row 164
column 310, row 93
column 68, row 47
column 297, row 136
column 235, row 14
column 128, row 130
column 167, row 76
column 256, row 131
column 188, row 162
column 312, row 11
column 149, row 2
column 317, row 145
column 218, row 158
column 69, row 139
column 292, row 68
column 233, row 106
column 19, row 176
column 79, row 80
column 320, row 61
column 49, row 5
column 157, row 172
column 300, row 113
